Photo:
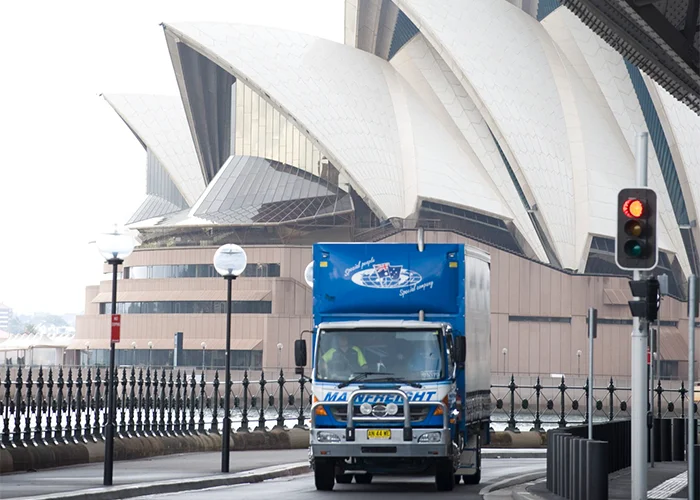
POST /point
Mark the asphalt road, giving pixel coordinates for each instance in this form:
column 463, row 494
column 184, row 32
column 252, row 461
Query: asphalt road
column 302, row 487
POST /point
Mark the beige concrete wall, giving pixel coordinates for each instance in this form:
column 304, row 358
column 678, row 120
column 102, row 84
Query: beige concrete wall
column 519, row 288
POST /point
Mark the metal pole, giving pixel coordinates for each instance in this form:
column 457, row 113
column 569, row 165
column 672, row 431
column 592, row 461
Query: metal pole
column 111, row 396
column 650, row 405
column 592, row 325
column 638, row 360
column 692, row 313
column 227, row 389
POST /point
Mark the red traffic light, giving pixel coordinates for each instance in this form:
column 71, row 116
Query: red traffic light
column 633, row 208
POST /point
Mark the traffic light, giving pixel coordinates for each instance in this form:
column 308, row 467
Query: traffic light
column 635, row 243
column 650, row 299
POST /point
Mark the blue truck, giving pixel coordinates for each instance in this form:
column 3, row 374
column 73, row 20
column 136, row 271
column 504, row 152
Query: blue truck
column 400, row 362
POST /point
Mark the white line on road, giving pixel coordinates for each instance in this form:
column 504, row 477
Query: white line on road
column 670, row 487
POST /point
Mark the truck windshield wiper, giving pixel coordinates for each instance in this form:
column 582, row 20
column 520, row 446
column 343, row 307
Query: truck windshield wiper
column 359, row 376
column 398, row 381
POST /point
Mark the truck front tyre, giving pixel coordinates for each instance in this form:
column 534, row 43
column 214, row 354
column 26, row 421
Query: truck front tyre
column 444, row 475
column 363, row 478
column 324, row 475
column 473, row 478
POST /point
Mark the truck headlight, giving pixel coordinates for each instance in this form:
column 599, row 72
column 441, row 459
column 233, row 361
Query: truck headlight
column 392, row 409
column 327, row 437
column 430, row 437
column 365, row 408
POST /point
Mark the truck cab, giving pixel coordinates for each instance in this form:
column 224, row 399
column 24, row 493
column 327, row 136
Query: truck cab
column 388, row 364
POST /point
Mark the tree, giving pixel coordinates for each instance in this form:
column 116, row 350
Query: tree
column 30, row 328
column 15, row 325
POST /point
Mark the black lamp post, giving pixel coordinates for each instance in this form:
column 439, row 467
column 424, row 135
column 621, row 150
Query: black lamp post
column 114, row 247
column 229, row 261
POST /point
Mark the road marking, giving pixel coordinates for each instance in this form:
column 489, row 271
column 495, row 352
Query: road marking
column 670, row 487
column 513, row 480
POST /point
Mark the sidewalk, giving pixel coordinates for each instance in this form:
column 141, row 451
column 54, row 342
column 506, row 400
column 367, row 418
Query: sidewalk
column 149, row 470
column 666, row 480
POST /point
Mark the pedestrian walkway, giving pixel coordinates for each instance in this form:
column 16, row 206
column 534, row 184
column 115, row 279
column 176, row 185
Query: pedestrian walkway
column 148, row 470
column 666, row 480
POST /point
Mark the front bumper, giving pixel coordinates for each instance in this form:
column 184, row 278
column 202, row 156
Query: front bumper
column 405, row 441
column 439, row 446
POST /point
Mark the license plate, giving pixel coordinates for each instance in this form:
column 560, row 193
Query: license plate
column 378, row 434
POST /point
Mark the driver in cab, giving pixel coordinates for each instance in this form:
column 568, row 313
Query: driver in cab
column 345, row 357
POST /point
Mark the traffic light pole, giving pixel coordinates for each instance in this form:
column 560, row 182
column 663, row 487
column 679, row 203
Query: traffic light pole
column 689, row 451
column 639, row 361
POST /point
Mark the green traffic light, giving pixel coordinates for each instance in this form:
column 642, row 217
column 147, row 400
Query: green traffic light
column 633, row 248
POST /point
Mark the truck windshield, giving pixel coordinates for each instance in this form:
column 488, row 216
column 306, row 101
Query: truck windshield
column 409, row 355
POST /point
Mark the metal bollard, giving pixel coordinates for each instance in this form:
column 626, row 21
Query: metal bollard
column 657, row 439
column 575, row 488
column 556, row 461
column 551, row 455
column 567, row 466
column 583, row 469
column 666, row 440
column 696, row 450
column 678, row 439
column 597, row 468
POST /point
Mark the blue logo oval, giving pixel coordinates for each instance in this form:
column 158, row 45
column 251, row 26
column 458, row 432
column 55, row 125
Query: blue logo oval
column 386, row 276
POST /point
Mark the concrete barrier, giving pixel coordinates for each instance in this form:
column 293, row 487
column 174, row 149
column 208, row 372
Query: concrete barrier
column 31, row 458
column 507, row 439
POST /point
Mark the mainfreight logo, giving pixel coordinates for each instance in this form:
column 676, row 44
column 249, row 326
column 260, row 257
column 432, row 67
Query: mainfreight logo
column 386, row 276
column 413, row 397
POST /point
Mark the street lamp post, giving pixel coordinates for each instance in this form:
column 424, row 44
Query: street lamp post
column 229, row 261
column 204, row 348
column 87, row 348
column 133, row 357
column 114, row 247
column 150, row 351
column 279, row 355
column 505, row 353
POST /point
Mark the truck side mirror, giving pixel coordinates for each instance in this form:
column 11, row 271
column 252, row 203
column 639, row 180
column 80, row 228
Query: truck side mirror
column 300, row 352
column 460, row 349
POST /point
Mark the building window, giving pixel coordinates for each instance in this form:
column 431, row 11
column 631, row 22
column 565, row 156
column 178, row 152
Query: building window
column 252, row 270
column 189, row 307
column 539, row 319
column 157, row 358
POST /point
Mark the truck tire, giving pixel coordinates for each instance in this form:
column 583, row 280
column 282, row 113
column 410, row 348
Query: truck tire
column 472, row 479
column 363, row 478
column 343, row 478
column 444, row 475
column 324, row 475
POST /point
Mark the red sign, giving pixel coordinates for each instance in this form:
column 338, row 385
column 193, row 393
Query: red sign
column 116, row 327
column 648, row 356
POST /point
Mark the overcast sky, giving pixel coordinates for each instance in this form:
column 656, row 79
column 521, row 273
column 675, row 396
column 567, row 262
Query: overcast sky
column 68, row 165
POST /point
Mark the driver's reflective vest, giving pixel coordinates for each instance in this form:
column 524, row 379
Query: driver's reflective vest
column 361, row 361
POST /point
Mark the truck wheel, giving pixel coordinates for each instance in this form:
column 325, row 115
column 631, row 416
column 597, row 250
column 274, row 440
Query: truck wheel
column 363, row 478
column 473, row 478
column 324, row 475
column 444, row 476
column 343, row 478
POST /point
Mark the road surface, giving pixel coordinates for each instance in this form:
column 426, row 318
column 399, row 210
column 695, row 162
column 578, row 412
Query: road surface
column 302, row 487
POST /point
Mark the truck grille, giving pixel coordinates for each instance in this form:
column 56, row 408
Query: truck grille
column 418, row 413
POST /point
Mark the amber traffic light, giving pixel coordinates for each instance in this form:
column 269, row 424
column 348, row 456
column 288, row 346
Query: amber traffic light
column 635, row 243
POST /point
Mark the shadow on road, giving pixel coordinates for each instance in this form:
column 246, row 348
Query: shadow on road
column 383, row 485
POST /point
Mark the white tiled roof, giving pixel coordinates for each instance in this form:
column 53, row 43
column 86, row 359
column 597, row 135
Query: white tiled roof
column 160, row 124
column 561, row 106
column 358, row 110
